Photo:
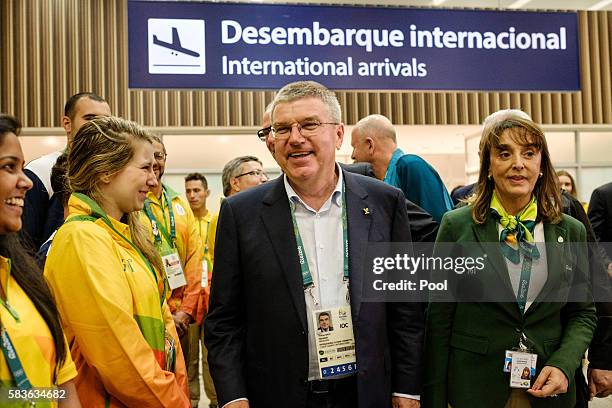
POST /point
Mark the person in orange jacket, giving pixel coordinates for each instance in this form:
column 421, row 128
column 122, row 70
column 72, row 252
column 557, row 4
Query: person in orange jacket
column 172, row 228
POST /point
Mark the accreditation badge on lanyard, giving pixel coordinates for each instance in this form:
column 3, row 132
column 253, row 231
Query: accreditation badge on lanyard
column 334, row 337
column 521, row 364
column 174, row 269
column 335, row 341
column 205, row 269
column 166, row 248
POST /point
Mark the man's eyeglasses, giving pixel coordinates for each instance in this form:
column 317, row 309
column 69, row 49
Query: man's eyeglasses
column 160, row 155
column 257, row 173
column 307, row 128
column 262, row 134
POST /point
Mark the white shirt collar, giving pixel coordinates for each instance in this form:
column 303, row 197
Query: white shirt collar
column 335, row 197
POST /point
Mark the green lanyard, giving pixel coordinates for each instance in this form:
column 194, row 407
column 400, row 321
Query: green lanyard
column 5, row 302
column 307, row 281
column 98, row 212
column 10, row 354
column 171, row 237
column 200, row 232
column 12, row 359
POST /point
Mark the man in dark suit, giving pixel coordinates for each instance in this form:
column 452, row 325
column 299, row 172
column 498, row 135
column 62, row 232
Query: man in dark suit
column 600, row 352
column 261, row 327
column 423, row 228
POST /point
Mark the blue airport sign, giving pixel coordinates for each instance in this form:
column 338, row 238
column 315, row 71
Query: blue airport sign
column 265, row 46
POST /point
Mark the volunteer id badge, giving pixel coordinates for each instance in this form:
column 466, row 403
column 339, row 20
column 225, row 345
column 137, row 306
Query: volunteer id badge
column 174, row 270
column 204, row 272
column 335, row 342
column 522, row 368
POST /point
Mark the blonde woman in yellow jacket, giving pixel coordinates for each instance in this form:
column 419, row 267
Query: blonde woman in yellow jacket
column 106, row 275
column 34, row 358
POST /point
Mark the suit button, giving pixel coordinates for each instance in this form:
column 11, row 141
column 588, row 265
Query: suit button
column 303, row 333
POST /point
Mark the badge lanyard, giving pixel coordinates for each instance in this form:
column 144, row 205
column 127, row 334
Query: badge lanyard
column 4, row 302
column 200, row 232
column 170, row 238
column 307, row 282
column 523, row 287
column 12, row 359
column 97, row 209
column 10, row 354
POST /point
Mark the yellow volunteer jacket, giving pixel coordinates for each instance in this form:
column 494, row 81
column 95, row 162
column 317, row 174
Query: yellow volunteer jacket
column 189, row 247
column 113, row 314
column 31, row 339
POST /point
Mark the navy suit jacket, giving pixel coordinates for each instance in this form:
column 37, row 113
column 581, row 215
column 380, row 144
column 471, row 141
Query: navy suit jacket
column 256, row 330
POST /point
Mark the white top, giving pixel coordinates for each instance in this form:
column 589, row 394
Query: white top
column 321, row 233
column 42, row 168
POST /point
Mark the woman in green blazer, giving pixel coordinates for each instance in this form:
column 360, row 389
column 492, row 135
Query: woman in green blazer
column 516, row 204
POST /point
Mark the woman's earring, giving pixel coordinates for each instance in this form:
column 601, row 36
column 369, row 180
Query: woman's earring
column 541, row 174
column 489, row 177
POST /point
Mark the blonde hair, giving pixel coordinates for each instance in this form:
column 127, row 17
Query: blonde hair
column 574, row 192
column 524, row 132
column 104, row 146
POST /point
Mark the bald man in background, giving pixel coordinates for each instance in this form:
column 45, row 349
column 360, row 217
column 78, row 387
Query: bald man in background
column 374, row 141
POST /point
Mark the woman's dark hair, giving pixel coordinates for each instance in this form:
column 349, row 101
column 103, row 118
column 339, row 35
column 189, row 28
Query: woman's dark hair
column 27, row 272
column 59, row 179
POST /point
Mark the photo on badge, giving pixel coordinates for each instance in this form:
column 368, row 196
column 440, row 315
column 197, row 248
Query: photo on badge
column 522, row 370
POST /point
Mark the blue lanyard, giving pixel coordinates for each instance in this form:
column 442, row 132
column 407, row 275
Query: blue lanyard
column 307, row 281
column 523, row 288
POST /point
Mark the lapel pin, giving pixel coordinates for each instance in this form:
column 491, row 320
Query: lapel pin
column 366, row 211
column 560, row 239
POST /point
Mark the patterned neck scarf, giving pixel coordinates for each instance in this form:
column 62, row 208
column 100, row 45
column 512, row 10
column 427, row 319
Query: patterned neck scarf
column 517, row 234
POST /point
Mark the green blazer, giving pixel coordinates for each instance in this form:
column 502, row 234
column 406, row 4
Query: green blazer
column 465, row 342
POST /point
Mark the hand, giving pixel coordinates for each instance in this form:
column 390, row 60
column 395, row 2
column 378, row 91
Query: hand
column 600, row 383
column 72, row 398
column 181, row 321
column 237, row 404
column 401, row 402
column 551, row 381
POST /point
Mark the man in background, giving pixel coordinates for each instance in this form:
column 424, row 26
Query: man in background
column 173, row 230
column 374, row 141
column 197, row 192
column 42, row 213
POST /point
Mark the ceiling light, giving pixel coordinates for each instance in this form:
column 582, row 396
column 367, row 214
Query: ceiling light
column 518, row 4
column 600, row 5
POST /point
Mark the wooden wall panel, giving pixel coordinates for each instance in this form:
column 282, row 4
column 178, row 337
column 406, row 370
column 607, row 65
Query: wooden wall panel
column 55, row 48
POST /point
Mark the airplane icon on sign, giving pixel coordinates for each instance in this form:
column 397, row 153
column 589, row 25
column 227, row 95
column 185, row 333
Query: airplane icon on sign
column 175, row 45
